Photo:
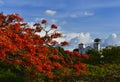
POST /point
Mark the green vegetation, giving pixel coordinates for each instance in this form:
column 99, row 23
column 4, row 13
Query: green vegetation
column 101, row 73
column 94, row 58
column 111, row 55
column 11, row 73
column 102, row 69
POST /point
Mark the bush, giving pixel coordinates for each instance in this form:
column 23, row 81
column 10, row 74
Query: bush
column 34, row 56
column 101, row 73
column 10, row 73
column 111, row 55
column 94, row 58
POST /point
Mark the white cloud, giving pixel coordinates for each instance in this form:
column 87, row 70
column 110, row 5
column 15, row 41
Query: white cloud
column 75, row 38
column 113, row 39
column 85, row 38
column 50, row 12
column 73, row 16
column 88, row 13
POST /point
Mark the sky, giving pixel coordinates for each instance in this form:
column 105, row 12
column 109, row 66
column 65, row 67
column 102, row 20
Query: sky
column 99, row 18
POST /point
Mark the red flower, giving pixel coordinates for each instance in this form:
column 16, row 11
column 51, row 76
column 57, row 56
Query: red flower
column 49, row 74
column 10, row 62
column 36, row 24
column 38, row 29
column 44, row 21
column 53, row 26
column 83, row 67
column 57, row 65
column 56, row 35
column 18, row 61
column 64, row 43
column 47, row 67
column 23, row 24
column 54, row 42
column 77, row 54
column 55, row 57
column 85, row 56
column 76, row 67
column 39, row 68
column 2, row 55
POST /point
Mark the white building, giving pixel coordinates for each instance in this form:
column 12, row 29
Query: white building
column 82, row 49
column 96, row 46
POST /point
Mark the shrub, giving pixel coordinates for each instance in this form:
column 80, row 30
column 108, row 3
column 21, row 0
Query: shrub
column 94, row 58
column 111, row 55
column 32, row 55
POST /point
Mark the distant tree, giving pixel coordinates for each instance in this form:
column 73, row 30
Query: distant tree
column 94, row 57
column 111, row 55
column 76, row 49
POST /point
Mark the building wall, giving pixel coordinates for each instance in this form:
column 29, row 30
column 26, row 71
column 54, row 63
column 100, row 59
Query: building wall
column 82, row 49
column 96, row 46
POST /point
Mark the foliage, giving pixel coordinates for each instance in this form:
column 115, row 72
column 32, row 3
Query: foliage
column 97, row 73
column 11, row 73
column 111, row 55
column 94, row 58
column 32, row 55
column 108, row 55
column 101, row 73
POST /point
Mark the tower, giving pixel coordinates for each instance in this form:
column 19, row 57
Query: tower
column 96, row 44
column 81, row 48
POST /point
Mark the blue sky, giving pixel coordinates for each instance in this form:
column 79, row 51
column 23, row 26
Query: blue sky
column 93, row 16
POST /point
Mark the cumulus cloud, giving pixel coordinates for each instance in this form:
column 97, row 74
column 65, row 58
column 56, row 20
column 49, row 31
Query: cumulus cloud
column 113, row 39
column 76, row 38
column 86, row 13
column 85, row 38
column 50, row 12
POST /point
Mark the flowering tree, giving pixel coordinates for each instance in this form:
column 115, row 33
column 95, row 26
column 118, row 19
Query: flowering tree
column 20, row 46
